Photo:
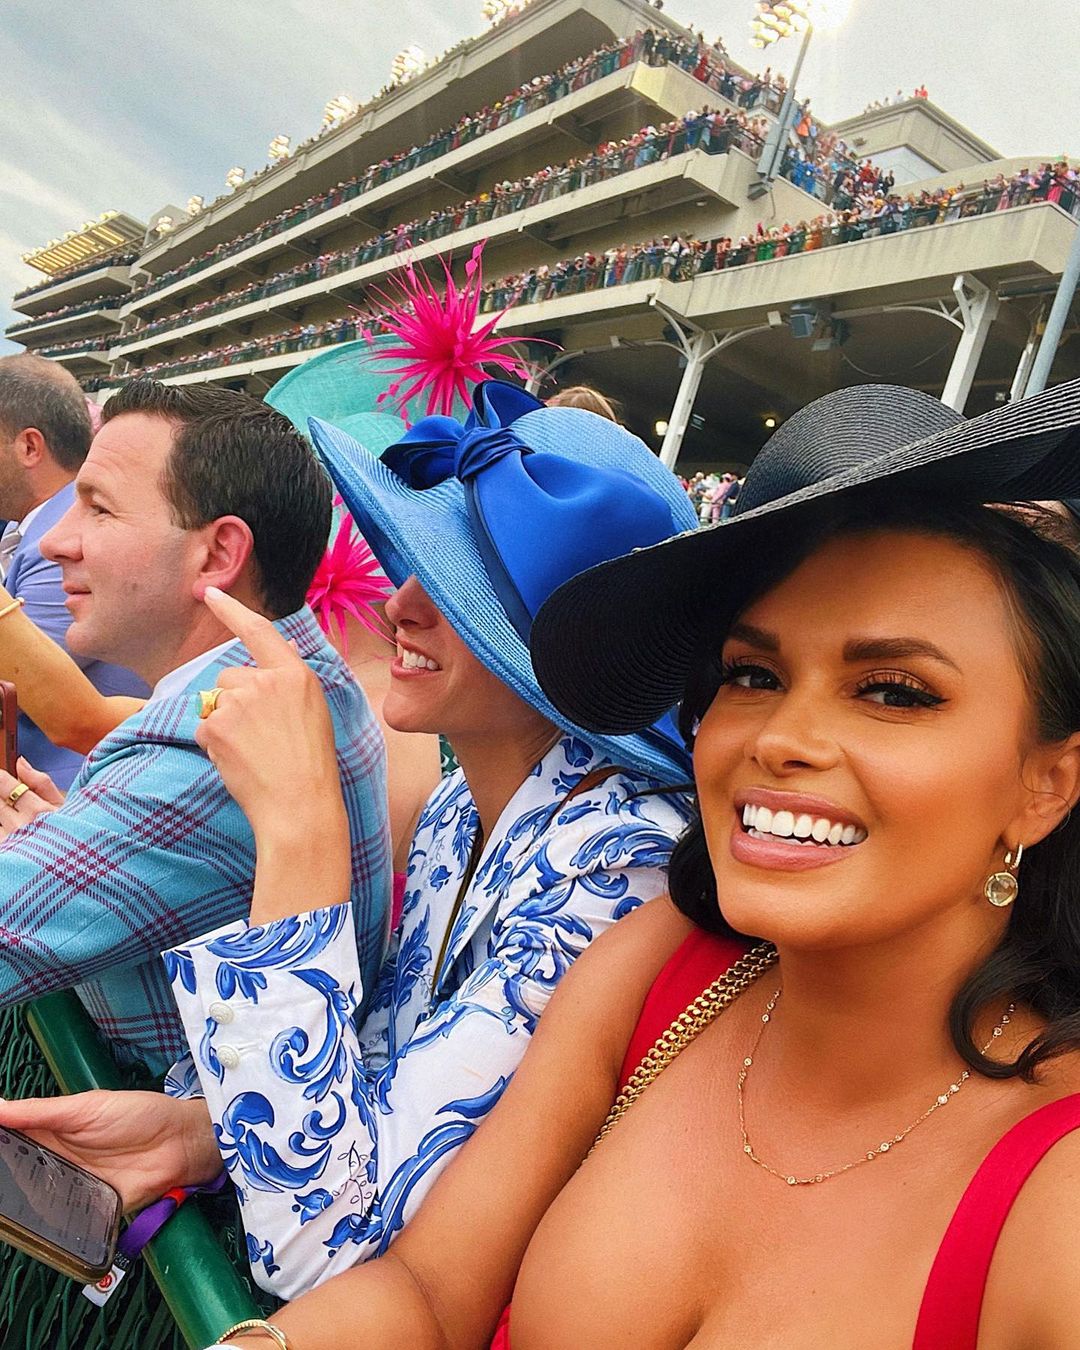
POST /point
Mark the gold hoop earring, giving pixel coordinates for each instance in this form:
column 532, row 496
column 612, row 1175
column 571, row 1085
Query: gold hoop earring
column 1002, row 888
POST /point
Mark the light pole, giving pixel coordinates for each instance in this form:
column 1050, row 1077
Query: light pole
column 1055, row 324
column 774, row 20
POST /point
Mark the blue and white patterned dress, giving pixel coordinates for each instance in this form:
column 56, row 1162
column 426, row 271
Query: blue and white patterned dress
column 333, row 1136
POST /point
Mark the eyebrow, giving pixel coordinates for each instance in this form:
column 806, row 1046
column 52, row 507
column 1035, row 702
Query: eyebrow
column 760, row 638
column 856, row 650
column 91, row 489
column 895, row 649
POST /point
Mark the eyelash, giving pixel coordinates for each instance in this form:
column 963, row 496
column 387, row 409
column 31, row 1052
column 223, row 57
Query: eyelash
column 870, row 684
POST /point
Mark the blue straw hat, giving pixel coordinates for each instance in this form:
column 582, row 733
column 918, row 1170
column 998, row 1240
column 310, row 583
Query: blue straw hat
column 493, row 515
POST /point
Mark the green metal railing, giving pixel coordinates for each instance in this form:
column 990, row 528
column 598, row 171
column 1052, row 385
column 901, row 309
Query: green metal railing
column 203, row 1289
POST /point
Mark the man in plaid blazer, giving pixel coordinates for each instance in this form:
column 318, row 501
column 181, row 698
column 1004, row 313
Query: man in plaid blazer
column 183, row 488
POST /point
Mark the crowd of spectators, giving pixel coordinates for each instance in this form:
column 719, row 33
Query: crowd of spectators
column 713, row 496
column 301, row 337
column 681, row 257
column 820, row 164
column 98, row 302
column 79, row 269
column 827, row 171
column 654, row 47
column 83, row 344
column 896, row 99
column 713, row 132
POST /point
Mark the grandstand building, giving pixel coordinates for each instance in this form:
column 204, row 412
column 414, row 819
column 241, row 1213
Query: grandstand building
column 73, row 314
column 566, row 137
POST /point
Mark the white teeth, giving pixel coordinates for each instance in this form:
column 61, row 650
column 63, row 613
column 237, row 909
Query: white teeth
column 414, row 661
column 762, row 823
column 783, row 824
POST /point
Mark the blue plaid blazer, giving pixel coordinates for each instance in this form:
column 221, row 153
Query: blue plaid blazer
column 150, row 850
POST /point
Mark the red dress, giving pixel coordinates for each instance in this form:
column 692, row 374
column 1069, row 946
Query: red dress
column 952, row 1300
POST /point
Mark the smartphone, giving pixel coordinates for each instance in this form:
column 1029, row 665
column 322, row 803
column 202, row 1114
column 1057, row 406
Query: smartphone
column 59, row 1213
column 9, row 724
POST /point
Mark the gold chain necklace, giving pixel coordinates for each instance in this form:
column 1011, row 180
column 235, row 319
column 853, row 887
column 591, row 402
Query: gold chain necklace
column 708, row 1005
column 885, row 1147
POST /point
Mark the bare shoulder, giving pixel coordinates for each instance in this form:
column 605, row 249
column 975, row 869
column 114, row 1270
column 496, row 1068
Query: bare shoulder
column 635, row 949
column 1034, row 1285
column 605, row 987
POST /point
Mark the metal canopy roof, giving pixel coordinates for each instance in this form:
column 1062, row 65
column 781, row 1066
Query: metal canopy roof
column 113, row 230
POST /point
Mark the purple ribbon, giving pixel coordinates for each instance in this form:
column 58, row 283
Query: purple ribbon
column 150, row 1221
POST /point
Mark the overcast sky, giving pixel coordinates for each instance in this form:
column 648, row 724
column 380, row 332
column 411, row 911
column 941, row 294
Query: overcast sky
column 109, row 104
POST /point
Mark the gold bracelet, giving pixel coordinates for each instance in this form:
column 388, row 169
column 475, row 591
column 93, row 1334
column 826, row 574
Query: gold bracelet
column 12, row 605
column 257, row 1324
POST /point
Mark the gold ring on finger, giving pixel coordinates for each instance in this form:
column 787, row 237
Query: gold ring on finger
column 16, row 792
column 208, row 701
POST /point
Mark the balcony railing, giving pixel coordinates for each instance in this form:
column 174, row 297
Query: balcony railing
column 652, row 47
column 675, row 260
column 682, row 260
column 80, row 346
column 77, row 270
column 707, row 131
column 102, row 303
column 297, row 339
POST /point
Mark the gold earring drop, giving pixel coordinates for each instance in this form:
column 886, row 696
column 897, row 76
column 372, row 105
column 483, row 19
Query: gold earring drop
column 1002, row 888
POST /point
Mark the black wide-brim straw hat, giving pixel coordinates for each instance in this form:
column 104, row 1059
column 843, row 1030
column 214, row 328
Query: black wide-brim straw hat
column 612, row 647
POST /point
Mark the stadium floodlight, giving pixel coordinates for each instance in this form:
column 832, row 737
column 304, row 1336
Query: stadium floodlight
column 164, row 224
column 234, row 177
column 496, row 10
column 194, row 206
column 280, row 148
column 778, row 19
column 774, row 20
column 337, row 110
column 409, row 61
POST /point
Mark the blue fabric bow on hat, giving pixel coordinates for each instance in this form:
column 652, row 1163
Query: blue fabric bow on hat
column 538, row 517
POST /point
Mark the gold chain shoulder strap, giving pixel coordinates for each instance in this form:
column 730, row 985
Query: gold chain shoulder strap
column 690, row 1023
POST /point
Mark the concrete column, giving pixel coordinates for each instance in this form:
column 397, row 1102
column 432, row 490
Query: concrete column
column 978, row 307
column 700, row 347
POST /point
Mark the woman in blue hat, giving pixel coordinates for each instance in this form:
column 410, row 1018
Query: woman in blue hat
column 542, row 839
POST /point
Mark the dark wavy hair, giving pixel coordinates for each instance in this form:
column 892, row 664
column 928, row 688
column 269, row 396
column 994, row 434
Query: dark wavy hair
column 1038, row 959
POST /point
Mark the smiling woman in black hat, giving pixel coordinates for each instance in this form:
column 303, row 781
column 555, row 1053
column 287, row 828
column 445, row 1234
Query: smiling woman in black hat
column 845, row 1064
